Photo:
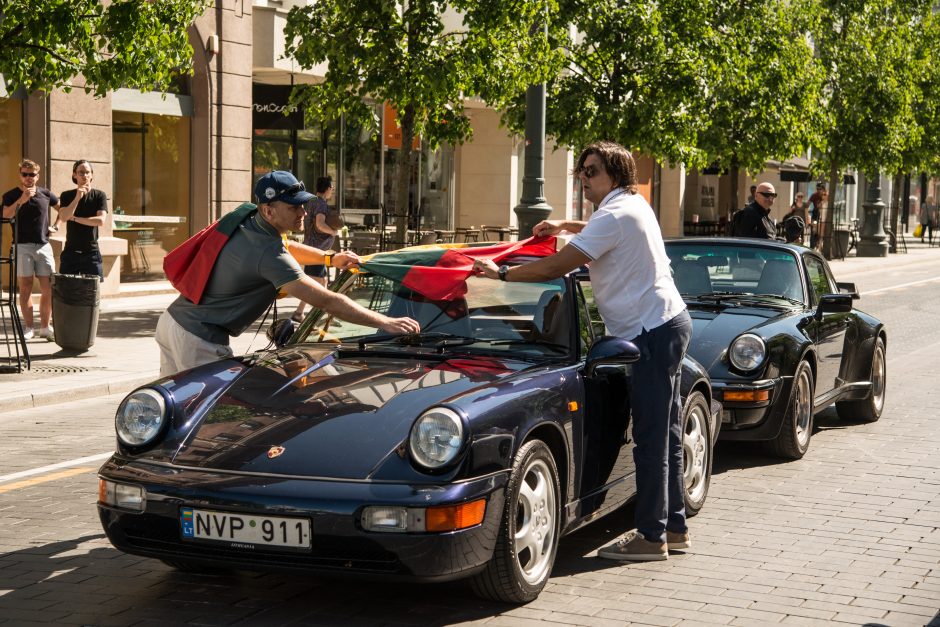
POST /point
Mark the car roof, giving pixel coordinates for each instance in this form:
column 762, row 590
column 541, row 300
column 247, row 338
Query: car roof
column 751, row 242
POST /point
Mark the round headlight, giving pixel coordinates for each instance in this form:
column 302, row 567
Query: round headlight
column 747, row 352
column 436, row 437
column 140, row 417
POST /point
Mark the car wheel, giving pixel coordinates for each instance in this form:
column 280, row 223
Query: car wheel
column 793, row 441
column 869, row 409
column 696, row 452
column 528, row 536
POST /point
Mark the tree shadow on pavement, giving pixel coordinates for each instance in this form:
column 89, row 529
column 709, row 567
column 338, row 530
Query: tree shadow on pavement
column 137, row 323
column 86, row 581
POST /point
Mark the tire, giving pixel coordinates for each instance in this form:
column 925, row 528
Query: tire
column 869, row 409
column 528, row 535
column 797, row 429
column 696, row 452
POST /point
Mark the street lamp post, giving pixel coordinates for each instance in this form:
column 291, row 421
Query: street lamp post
column 873, row 236
column 533, row 207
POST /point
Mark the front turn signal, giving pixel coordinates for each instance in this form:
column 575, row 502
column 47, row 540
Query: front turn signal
column 454, row 517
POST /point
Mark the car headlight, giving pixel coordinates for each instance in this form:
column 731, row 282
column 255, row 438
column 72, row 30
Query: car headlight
column 141, row 417
column 747, row 352
column 436, row 437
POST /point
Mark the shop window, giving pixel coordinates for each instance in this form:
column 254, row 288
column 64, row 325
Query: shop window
column 151, row 179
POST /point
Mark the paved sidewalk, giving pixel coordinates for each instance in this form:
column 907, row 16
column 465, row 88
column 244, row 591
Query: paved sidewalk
column 125, row 354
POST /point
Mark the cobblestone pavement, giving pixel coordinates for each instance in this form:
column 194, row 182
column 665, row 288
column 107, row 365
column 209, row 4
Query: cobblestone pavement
column 850, row 534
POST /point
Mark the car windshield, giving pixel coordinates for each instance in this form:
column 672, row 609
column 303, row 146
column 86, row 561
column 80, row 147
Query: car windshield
column 734, row 271
column 492, row 316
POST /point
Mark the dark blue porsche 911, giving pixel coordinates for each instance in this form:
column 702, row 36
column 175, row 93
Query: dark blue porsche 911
column 465, row 451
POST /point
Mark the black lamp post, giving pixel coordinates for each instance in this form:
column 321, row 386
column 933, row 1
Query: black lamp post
column 873, row 235
column 532, row 207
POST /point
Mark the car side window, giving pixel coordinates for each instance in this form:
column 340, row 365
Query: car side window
column 590, row 324
column 819, row 280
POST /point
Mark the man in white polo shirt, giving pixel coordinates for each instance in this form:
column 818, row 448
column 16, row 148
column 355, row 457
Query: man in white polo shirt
column 638, row 301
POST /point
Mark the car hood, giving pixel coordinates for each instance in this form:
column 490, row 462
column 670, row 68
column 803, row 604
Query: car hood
column 320, row 413
column 713, row 329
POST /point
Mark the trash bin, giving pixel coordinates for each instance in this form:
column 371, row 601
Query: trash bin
column 75, row 301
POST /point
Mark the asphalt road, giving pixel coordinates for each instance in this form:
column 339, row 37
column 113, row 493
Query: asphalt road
column 850, row 534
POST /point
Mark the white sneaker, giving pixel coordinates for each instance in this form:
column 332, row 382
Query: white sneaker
column 28, row 334
column 47, row 333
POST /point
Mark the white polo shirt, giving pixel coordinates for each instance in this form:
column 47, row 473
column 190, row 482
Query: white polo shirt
column 630, row 273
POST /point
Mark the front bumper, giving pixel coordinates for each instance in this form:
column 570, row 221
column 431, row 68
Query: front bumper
column 753, row 419
column 339, row 546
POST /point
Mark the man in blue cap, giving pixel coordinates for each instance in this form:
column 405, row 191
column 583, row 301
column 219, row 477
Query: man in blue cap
column 253, row 265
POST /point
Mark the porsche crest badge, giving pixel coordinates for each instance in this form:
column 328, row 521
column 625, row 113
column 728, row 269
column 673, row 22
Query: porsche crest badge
column 275, row 451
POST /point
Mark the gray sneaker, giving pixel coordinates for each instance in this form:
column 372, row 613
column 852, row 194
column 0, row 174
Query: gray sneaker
column 633, row 547
column 678, row 540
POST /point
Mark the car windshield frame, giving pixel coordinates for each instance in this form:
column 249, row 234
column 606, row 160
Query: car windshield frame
column 737, row 273
column 493, row 318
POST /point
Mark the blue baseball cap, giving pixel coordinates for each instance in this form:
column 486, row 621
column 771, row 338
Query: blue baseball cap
column 283, row 186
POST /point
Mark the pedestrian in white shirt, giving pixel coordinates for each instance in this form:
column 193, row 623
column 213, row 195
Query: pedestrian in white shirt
column 637, row 299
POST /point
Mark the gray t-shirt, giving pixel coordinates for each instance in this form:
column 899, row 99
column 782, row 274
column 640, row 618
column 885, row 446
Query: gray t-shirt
column 253, row 265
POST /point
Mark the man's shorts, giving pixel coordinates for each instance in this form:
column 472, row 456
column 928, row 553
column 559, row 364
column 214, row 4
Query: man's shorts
column 318, row 271
column 34, row 260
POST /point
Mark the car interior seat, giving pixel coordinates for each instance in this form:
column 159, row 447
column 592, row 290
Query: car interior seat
column 780, row 276
column 691, row 278
column 552, row 318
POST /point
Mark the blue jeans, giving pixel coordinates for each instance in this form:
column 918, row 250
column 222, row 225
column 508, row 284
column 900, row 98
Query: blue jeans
column 657, row 428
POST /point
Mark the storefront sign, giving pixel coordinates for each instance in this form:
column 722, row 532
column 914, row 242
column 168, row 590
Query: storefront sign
column 391, row 131
column 269, row 102
column 707, row 198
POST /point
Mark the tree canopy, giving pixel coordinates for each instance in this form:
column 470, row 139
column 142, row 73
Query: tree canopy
column 128, row 43
column 423, row 57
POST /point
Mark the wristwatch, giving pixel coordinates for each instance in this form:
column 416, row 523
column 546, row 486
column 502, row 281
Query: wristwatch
column 328, row 259
column 503, row 271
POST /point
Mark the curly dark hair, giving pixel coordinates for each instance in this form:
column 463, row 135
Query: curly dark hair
column 618, row 163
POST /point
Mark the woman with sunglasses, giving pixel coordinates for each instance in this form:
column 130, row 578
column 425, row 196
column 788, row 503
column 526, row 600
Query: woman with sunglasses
column 28, row 204
column 84, row 210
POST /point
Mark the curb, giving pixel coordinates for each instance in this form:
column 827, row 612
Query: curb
column 77, row 392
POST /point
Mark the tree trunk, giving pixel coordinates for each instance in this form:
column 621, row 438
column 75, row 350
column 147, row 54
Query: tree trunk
column 897, row 194
column 407, row 120
column 734, row 172
column 824, row 228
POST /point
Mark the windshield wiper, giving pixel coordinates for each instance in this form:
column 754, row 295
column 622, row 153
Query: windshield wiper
column 440, row 339
column 720, row 295
column 545, row 343
column 781, row 296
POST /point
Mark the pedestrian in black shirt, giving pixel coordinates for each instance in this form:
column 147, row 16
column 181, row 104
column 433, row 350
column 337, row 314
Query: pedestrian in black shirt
column 83, row 211
column 28, row 204
column 754, row 220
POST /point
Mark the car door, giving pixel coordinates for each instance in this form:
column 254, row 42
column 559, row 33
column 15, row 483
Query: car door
column 828, row 331
column 607, row 460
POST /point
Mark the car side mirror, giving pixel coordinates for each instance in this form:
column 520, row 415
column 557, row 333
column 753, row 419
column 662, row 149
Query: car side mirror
column 834, row 303
column 609, row 350
column 849, row 288
column 281, row 331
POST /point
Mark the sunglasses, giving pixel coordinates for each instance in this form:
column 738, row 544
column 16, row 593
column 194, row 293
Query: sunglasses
column 768, row 194
column 31, row 175
column 588, row 172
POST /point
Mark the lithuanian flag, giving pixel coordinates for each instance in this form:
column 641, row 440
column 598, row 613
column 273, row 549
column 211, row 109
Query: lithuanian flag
column 189, row 265
column 440, row 272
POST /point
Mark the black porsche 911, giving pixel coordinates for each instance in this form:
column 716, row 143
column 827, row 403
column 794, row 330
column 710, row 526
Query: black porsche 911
column 779, row 337
column 467, row 450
